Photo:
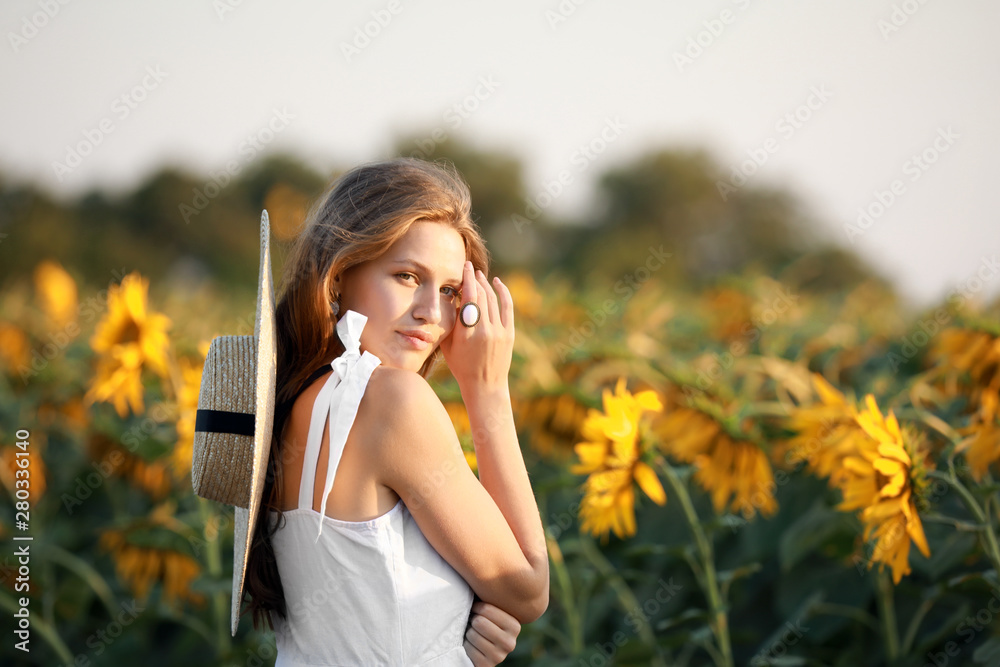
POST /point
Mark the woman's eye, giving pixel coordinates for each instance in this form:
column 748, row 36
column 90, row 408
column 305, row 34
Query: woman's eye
column 448, row 290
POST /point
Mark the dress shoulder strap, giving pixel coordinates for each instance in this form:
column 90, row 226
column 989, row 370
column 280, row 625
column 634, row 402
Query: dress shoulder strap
column 336, row 406
column 284, row 409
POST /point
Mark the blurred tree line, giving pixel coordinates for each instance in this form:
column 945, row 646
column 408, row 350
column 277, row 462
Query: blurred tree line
column 190, row 228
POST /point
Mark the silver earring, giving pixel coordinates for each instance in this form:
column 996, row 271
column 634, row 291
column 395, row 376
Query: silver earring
column 335, row 307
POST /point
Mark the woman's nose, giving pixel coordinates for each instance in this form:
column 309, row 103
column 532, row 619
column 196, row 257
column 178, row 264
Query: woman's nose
column 427, row 306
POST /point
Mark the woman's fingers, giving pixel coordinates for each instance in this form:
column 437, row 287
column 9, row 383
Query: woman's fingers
column 481, row 643
column 470, row 289
column 477, row 657
column 506, row 303
column 492, row 630
column 506, row 624
column 492, row 313
column 491, row 634
column 492, row 643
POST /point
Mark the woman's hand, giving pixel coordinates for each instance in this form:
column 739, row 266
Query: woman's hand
column 491, row 635
column 479, row 356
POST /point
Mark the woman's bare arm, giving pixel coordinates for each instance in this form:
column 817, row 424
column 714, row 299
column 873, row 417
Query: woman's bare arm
column 504, row 476
column 495, row 544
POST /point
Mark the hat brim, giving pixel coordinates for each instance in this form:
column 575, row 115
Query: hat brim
column 245, row 519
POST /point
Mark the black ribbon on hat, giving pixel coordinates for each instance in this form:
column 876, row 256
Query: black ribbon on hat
column 220, row 421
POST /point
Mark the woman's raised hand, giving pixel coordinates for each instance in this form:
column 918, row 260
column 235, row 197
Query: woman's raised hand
column 479, row 356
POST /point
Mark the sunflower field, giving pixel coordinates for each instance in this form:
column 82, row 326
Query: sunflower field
column 742, row 473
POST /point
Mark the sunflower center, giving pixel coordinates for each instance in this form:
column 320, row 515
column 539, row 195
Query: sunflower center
column 129, row 332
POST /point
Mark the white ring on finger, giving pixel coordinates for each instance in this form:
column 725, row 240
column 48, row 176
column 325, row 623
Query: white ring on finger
column 470, row 314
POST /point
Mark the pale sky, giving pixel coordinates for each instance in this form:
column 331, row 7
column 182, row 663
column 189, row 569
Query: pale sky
column 842, row 102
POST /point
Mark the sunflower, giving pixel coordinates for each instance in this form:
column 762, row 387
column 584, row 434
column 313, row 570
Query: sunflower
column 187, row 408
column 15, row 352
column 36, row 470
column 976, row 353
column 883, row 480
column 553, row 420
column 610, row 455
column 982, row 448
column 119, row 380
column 140, row 567
column 734, row 471
column 128, row 339
column 824, row 432
column 958, row 351
column 56, row 292
column 151, row 476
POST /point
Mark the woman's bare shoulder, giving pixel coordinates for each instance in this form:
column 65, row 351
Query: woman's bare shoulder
column 395, row 402
column 396, row 391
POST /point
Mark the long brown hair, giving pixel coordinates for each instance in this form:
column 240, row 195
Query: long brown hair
column 360, row 215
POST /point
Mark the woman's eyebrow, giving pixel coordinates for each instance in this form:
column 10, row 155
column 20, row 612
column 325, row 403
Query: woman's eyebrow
column 422, row 267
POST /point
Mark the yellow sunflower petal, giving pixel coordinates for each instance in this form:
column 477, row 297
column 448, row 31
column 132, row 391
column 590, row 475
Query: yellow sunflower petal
column 649, row 400
column 650, row 483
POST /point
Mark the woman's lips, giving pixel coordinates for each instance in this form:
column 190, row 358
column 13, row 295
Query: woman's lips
column 414, row 342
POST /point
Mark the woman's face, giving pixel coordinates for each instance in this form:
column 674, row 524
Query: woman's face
column 413, row 288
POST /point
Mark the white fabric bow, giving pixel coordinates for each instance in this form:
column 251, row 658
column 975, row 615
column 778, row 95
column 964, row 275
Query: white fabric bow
column 343, row 389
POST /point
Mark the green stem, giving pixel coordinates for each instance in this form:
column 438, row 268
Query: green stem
column 911, row 631
column 719, row 620
column 565, row 587
column 887, row 614
column 214, row 557
column 982, row 516
column 991, row 538
column 625, row 595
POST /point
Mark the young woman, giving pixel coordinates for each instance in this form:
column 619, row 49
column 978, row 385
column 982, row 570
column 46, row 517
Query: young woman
column 378, row 536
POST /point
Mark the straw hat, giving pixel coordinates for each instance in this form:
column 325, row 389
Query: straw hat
column 235, row 417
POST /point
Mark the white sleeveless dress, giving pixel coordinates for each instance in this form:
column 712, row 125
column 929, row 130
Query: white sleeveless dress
column 361, row 592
